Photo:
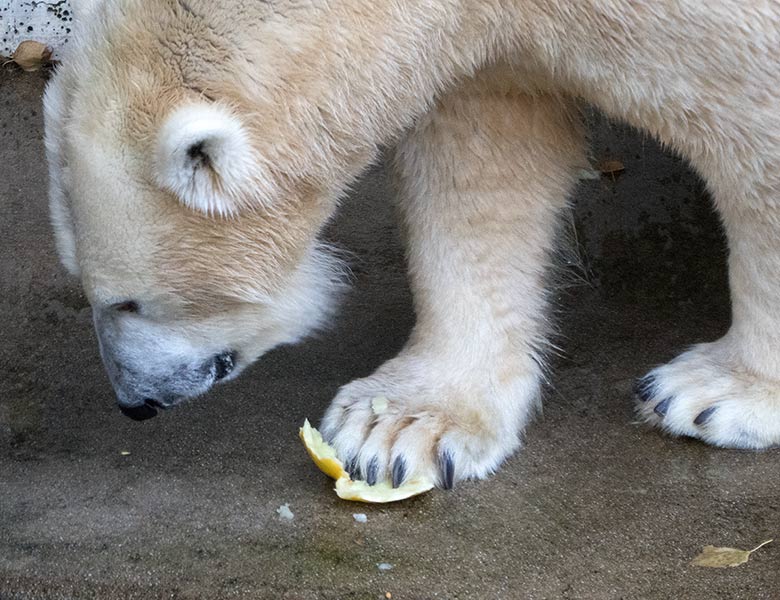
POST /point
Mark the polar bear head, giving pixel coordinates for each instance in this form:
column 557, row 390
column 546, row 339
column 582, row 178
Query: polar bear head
column 188, row 190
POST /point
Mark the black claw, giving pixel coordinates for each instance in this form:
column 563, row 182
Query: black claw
column 447, row 468
column 399, row 471
column 351, row 467
column 661, row 408
column 705, row 415
column 644, row 388
column 373, row 471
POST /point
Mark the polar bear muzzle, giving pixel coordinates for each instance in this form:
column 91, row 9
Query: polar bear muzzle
column 223, row 365
column 170, row 390
column 153, row 368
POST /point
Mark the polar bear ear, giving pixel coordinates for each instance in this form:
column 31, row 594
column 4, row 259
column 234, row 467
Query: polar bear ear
column 205, row 158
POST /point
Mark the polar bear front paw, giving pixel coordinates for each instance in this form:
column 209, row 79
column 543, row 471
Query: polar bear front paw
column 705, row 394
column 403, row 422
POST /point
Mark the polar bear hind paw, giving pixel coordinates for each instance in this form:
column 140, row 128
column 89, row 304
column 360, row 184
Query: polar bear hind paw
column 701, row 394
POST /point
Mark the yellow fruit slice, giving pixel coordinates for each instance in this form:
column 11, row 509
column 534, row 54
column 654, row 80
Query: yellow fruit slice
column 324, row 456
column 360, row 491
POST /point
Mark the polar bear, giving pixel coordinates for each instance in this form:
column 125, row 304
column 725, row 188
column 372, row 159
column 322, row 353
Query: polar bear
column 197, row 148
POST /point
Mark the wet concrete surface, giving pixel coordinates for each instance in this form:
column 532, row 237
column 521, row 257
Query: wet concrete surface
column 594, row 506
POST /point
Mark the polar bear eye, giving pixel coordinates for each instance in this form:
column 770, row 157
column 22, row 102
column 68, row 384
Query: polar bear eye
column 127, row 306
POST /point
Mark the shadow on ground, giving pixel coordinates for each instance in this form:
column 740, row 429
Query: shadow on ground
column 595, row 506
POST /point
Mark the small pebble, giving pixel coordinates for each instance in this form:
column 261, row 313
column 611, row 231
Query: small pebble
column 360, row 517
column 285, row 513
column 384, row 566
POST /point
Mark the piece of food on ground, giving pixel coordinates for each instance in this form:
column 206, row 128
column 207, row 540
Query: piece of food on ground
column 383, row 491
column 285, row 513
column 324, row 456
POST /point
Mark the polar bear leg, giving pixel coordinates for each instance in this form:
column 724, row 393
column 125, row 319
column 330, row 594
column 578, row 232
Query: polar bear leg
column 727, row 392
column 483, row 178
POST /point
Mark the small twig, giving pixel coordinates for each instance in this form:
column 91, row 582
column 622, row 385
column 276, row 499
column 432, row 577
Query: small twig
column 762, row 544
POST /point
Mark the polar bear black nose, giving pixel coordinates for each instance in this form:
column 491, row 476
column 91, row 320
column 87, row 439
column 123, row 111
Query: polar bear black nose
column 224, row 364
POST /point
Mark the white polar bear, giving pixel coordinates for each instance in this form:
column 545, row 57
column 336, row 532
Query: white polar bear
column 197, row 148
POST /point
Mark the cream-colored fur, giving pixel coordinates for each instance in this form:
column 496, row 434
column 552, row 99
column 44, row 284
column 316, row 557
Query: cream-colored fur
column 197, row 149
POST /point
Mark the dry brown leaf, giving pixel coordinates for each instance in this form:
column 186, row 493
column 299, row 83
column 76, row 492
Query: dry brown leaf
column 720, row 558
column 31, row 55
column 611, row 167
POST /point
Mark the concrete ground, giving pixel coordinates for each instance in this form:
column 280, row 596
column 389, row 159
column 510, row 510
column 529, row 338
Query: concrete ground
column 594, row 506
